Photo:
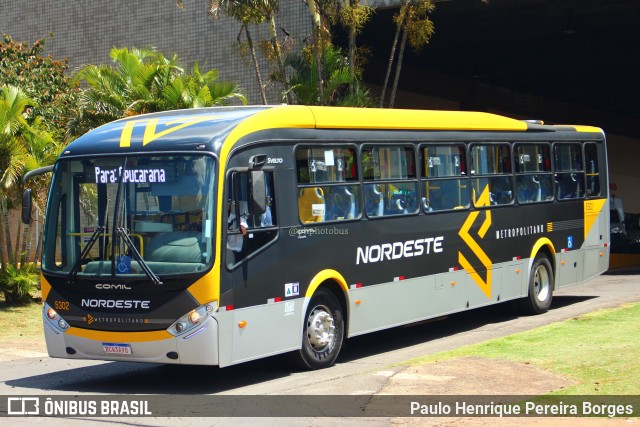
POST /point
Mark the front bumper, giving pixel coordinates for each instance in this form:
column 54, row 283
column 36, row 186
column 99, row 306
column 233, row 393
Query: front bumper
column 197, row 347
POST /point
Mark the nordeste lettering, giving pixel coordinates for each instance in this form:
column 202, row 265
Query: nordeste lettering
column 110, row 303
column 398, row 250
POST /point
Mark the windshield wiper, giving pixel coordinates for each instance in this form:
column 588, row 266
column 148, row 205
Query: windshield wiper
column 134, row 251
column 120, row 232
column 76, row 267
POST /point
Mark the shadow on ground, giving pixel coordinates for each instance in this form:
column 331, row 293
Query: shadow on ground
column 140, row 378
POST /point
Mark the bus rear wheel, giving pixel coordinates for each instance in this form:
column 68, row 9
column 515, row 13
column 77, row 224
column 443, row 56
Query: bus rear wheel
column 323, row 331
column 540, row 287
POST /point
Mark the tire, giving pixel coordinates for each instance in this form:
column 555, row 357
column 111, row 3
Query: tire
column 541, row 283
column 323, row 331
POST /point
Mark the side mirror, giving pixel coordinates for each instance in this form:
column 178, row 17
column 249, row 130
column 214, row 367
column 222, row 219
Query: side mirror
column 257, row 193
column 26, row 206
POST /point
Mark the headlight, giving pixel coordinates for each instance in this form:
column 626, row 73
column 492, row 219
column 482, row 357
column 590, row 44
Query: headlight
column 54, row 319
column 192, row 319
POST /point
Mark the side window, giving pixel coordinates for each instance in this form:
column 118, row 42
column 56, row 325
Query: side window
column 569, row 170
column 491, row 173
column 534, row 180
column 444, row 177
column 247, row 232
column 592, row 169
column 328, row 186
column 390, row 184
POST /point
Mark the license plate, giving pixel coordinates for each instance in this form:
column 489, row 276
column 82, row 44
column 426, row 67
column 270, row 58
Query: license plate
column 114, row 348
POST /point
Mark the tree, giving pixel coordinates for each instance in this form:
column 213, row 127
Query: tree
column 413, row 22
column 269, row 9
column 245, row 12
column 336, row 88
column 145, row 81
column 42, row 150
column 13, row 155
column 354, row 16
column 24, row 145
column 197, row 90
column 36, row 101
column 42, row 79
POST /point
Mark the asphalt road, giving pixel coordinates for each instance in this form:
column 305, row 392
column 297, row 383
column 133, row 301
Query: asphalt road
column 363, row 367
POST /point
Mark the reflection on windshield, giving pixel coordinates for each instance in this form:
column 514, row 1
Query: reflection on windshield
column 133, row 216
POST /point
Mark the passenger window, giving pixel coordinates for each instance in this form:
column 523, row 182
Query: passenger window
column 444, row 177
column 391, row 187
column 337, row 198
column 534, row 180
column 491, row 173
column 569, row 171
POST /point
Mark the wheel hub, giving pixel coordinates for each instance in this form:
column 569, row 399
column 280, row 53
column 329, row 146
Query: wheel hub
column 320, row 329
column 541, row 283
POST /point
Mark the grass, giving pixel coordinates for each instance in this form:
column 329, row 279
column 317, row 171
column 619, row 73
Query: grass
column 598, row 350
column 21, row 323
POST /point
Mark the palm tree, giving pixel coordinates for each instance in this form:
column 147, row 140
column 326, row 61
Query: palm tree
column 42, row 150
column 13, row 155
column 144, row 81
column 247, row 13
column 413, row 22
column 317, row 46
column 24, row 146
column 197, row 90
column 335, row 91
column 354, row 16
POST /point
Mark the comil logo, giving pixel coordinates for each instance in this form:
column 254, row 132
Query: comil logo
column 464, row 233
column 113, row 287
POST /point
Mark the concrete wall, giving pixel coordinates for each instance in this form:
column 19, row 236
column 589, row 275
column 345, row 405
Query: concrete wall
column 85, row 30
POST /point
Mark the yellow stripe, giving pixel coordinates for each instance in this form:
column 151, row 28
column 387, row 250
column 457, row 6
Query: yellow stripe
column 122, row 337
column 150, row 134
column 45, row 287
column 293, row 117
column 590, row 129
column 127, row 131
column 543, row 241
column 377, row 118
column 485, row 286
column 592, row 209
column 322, row 277
column 477, row 250
column 207, row 288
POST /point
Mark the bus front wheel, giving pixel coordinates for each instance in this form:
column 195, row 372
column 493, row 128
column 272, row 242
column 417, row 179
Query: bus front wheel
column 540, row 287
column 323, row 331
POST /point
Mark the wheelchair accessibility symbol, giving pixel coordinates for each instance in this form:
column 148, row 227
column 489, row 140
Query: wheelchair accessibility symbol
column 123, row 264
column 570, row 242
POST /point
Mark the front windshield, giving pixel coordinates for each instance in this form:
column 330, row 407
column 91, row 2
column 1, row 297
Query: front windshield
column 134, row 216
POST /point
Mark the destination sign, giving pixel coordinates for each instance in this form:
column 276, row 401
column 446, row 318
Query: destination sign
column 105, row 176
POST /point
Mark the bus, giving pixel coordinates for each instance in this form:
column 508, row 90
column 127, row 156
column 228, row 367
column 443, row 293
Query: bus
column 222, row 235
